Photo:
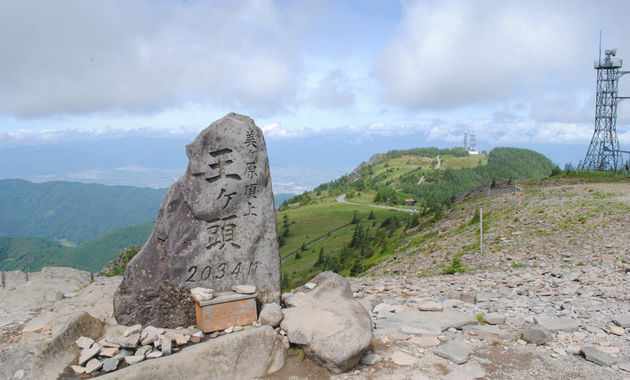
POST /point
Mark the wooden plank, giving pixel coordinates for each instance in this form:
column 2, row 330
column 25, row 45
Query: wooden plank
column 221, row 316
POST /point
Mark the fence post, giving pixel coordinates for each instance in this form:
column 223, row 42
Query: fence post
column 481, row 229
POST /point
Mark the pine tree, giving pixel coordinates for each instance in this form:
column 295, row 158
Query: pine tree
column 355, row 217
column 320, row 258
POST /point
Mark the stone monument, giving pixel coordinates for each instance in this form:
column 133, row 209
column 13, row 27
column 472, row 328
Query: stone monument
column 216, row 228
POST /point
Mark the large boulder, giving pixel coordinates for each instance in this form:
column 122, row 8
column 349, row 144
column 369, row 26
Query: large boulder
column 216, row 228
column 45, row 356
column 248, row 354
column 331, row 326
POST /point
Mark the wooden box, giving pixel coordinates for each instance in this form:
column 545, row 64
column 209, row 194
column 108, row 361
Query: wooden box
column 225, row 310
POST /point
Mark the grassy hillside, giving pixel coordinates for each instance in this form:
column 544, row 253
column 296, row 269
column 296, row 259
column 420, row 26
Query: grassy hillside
column 31, row 253
column 566, row 220
column 331, row 236
column 73, row 213
column 323, row 235
column 435, row 180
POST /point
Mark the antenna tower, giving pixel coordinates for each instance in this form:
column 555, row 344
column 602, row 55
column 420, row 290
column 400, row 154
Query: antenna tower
column 473, row 143
column 466, row 140
column 603, row 153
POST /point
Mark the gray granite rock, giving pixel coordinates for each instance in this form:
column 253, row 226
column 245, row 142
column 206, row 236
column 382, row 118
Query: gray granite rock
column 216, row 228
column 596, row 356
column 110, row 364
column 155, row 354
column 333, row 328
column 130, row 341
column 271, row 314
column 622, row 320
column 430, row 306
column 455, row 351
column 93, row 365
column 166, row 345
column 132, row 330
column 371, row 359
column 244, row 289
column 494, row 318
column 109, row 352
column 410, row 321
column 134, row 359
column 248, row 354
column 536, row 334
column 84, row 342
column 89, row 353
column 558, row 324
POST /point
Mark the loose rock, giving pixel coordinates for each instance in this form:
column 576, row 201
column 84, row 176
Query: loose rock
column 89, row 353
column 132, row 330
column 271, row 314
column 133, row 359
column 594, row 355
column 77, row 369
column 110, row 364
column 455, row 351
column 622, row 320
column 84, row 342
column 558, row 324
column 616, row 330
column 93, row 365
column 166, row 345
column 494, row 318
column 244, row 289
column 536, row 334
column 109, row 352
column 371, row 359
column 431, row 306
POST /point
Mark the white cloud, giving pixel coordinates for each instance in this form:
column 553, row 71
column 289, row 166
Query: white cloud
column 456, row 53
column 79, row 56
column 23, row 137
column 333, row 91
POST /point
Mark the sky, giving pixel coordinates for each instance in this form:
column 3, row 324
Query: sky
column 514, row 73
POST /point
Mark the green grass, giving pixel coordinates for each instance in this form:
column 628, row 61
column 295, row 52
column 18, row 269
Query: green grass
column 453, row 162
column 323, row 225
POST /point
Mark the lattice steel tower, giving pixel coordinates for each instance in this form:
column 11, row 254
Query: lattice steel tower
column 603, row 153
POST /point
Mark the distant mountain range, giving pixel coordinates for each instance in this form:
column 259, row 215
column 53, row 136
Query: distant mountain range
column 73, row 213
column 32, row 253
column 74, row 224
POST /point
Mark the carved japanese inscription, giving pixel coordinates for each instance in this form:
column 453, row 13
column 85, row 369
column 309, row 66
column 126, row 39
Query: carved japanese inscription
column 215, row 229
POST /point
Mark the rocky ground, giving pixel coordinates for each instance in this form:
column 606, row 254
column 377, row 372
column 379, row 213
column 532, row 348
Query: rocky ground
column 548, row 300
column 471, row 325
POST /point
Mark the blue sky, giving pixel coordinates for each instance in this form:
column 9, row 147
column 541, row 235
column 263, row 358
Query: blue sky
column 516, row 73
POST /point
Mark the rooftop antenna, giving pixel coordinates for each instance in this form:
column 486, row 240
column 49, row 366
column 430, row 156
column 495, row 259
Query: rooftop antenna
column 603, row 153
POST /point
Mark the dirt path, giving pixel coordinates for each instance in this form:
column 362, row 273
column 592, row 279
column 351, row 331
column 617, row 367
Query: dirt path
column 342, row 199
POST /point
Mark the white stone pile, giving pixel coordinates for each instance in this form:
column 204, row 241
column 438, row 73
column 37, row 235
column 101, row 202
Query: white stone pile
column 132, row 346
